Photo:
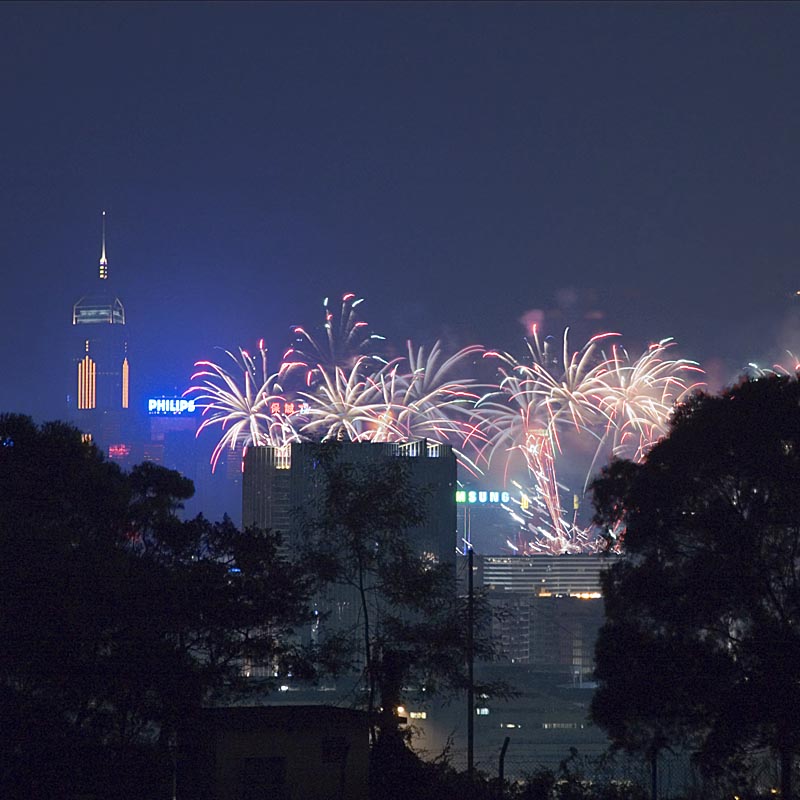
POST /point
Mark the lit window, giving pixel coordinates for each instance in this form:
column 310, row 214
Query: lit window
column 125, row 383
column 418, row 714
column 482, row 711
column 87, row 383
column 560, row 726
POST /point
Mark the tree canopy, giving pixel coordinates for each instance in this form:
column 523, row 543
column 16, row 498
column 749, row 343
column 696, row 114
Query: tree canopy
column 116, row 616
column 119, row 618
column 701, row 644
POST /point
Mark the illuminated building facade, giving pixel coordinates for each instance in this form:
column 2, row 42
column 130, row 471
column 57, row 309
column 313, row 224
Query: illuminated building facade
column 170, row 439
column 549, row 608
column 100, row 397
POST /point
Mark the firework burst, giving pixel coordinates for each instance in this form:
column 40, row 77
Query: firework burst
column 240, row 400
column 344, row 340
column 396, row 401
column 429, row 401
column 641, row 395
column 789, row 366
column 587, row 404
column 348, row 404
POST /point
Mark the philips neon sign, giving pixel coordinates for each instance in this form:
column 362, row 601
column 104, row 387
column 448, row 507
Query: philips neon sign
column 475, row 497
column 170, row 406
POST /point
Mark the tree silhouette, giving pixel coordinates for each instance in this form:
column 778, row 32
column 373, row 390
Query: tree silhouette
column 118, row 618
column 409, row 625
column 701, row 642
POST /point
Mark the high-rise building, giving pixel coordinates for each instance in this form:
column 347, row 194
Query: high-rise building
column 266, row 488
column 278, row 480
column 567, row 575
column 280, row 484
column 548, row 608
column 100, row 394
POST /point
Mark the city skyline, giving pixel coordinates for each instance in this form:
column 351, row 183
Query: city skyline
column 463, row 168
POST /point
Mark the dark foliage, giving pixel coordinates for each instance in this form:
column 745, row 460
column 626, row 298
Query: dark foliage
column 396, row 773
column 118, row 618
column 702, row 639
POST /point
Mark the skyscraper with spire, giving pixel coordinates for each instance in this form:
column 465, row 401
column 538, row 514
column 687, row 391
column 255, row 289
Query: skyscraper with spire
column 100, row 393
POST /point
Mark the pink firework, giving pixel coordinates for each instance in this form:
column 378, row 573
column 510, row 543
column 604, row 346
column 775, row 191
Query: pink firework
column 241, row 402
column 582, row 407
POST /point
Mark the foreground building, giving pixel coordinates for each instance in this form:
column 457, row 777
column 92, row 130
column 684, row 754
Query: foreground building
column 253, row 753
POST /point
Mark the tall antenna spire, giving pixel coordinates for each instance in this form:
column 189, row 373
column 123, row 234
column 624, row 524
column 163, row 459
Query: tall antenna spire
column 103, row 259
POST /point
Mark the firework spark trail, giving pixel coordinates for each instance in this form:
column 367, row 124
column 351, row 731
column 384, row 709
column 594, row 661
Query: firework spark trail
column 533, row 537
column 344, row 340
column 541, row 462
column 620, row 404
column 239, row 403
column 789, row 367
column 605, row 403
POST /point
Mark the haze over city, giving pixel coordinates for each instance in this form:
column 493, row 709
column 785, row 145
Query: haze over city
column 453, row 533
column 462, row 167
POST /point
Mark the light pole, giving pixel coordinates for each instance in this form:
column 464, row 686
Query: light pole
column 470, row 665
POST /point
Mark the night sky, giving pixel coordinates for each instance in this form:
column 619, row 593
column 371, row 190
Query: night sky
column 457, row 165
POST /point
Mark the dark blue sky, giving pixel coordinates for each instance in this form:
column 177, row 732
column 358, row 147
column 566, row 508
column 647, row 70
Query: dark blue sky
column 457, row 165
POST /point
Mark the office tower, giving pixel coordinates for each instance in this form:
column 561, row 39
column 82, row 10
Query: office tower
column 284, row 489
column 266, row 488
column 279, row 481
column 100, row 394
